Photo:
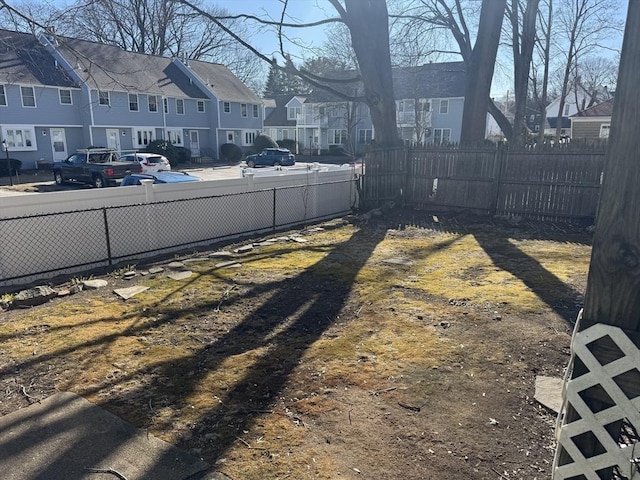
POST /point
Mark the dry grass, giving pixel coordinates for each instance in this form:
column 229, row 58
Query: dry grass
column 292, row 365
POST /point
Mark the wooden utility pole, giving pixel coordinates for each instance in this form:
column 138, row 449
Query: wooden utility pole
column 613, row 288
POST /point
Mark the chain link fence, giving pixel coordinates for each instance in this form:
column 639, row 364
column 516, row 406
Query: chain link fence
column 40, row 247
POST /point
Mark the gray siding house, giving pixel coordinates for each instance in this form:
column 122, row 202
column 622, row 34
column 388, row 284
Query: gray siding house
column 59, row 94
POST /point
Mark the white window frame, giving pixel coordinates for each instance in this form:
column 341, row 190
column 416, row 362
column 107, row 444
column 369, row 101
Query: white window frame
column 165, row 105
column 337, row 136
column 200, row 106
column 3, row 97
column 154, row 104
column 256, row 114
column 226, row 107
column 102, row 95
column 20, row 138
column 605, row 130
column 180, row 108
column 439, row 134
column 567, row 107
column 293, row 112
column 244, row 113
column 60, row 90
column 33, row 95
column 143, row 136
column 444, row 106
column 248, row 137
column 175, row 136
column 367, row 137
column 136, row 103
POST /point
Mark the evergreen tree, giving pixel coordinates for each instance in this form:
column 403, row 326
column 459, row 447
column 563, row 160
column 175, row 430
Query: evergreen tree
column 274, row 82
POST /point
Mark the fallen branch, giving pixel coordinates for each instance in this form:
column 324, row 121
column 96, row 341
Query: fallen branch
column 224, row 295
column 498, row 473
column 384, row 390
column 409, row 407
column 30, row 397
column 107, row 470
column 250, row 447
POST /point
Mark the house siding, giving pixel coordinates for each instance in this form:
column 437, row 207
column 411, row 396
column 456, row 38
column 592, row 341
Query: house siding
column 587, row 129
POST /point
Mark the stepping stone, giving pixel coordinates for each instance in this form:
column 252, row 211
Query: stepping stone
column 267, row 243
column 299, row 239
column 127, row 293
column 34, row 296
column 316, row 229
column 246, row 248
column 95, row 284
column 180, row 275
column 129, row 275
column 230, row 264
column 223, row 253
column 398, row 261
column 548, row 392
column 155, row 270
column 196, row 259
column 176, row 266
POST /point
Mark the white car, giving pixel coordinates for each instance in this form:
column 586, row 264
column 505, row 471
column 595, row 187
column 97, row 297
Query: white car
column 150, row 162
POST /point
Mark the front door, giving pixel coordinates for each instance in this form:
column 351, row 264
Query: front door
column 194, row 143
column 113, row 139
column 58, row 144
column 230, row 137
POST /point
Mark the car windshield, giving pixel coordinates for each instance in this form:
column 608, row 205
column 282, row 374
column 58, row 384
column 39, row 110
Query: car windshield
column 156, row 159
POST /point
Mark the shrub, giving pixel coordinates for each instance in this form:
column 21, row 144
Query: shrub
column 289, row 143
column 183, row 154
column 230, row 152
column 16, row 166
column 163, row 147
column 263, row 141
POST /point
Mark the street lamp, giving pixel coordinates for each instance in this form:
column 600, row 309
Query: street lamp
column 5, row 147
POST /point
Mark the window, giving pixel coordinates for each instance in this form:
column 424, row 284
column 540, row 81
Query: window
column 28, row 97
column 400, row 106
column 141, row 137
column 255, row 111
column 337, row 137
column 103, row 98
column 226, row 107
column 249, row 138
column 566, row 110
column 365, row 136
column 133, row 102
column 441, row 136
column 293, row 113
column 65, row 97
column 179, row 106
column 152, row 101
column 165, row 105
column 425, row 105
column 3, row 97
column 20, row 138
column 243, row 109
column 604, row 130
column 200, row 106
column 174, row 135
column 444, row 106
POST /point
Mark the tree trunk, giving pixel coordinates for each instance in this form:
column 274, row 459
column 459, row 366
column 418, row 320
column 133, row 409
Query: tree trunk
column 545, row 74
column 368, row 24
column 480, row 72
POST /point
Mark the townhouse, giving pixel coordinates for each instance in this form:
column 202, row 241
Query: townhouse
column 59, row 94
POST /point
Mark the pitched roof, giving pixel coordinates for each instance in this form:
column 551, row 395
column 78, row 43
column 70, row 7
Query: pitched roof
column 604, row 109
column 278, row 117
column 224, row 84
column 108, row 67
column 24, row 60
column 433, row 80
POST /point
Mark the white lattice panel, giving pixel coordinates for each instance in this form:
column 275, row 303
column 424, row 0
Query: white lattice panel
column 617, row 455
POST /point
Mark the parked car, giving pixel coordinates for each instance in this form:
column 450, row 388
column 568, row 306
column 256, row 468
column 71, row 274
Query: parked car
column 158, row 177
column 271, row 157
column 150, row 162
column 96, row 166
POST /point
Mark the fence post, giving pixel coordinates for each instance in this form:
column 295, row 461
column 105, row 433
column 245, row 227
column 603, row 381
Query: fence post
column 501, row 153
column 274, row 208
column 106, row 231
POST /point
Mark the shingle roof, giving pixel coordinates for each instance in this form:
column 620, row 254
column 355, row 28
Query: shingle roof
column 24, row 60
column 433, row 80
column 108, row 67
column 604, row 109
column 224, row 84
column 278, row 117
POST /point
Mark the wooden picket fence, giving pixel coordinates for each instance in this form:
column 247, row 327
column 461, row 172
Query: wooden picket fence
column 561, row 183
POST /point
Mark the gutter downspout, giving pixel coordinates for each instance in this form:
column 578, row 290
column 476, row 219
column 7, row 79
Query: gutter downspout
column 91, row 121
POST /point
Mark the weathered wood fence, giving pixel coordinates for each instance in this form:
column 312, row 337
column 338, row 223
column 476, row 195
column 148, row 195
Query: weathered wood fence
column 561, row 183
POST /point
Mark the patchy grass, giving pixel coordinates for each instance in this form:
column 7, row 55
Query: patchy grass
column 366, row 352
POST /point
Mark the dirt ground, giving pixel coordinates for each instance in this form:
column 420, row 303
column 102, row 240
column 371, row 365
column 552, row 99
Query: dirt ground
column 399, row 347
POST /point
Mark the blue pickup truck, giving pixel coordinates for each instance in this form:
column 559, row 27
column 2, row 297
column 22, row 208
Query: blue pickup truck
column 95, row 166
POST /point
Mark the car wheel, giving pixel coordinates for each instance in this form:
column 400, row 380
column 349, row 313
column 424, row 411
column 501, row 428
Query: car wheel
column 251, row 163
column 57, row 176
column 98, row 181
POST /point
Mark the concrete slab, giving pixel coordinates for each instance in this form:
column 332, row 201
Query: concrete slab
column 127, row 293
column 64, row 437
column 180, row 275
column 549, row 392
